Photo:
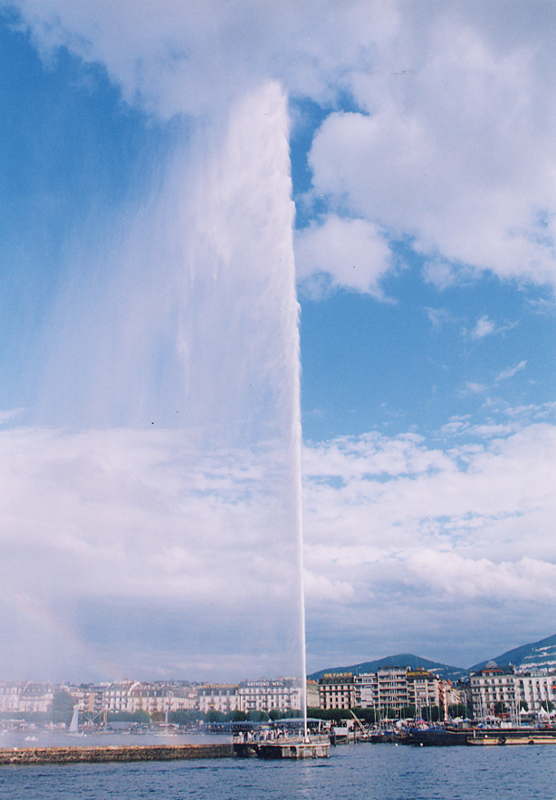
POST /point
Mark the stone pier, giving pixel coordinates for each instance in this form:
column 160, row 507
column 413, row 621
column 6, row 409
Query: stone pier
column 112, row 753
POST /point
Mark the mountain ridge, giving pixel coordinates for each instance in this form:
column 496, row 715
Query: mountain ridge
column 400, row 660
column 534, row 655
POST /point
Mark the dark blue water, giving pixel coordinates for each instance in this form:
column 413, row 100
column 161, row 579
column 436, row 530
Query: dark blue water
column 384, row 772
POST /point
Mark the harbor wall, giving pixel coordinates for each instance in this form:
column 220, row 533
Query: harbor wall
column 112, row 753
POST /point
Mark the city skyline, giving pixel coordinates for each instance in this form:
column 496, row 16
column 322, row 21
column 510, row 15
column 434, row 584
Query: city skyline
column 422, row 164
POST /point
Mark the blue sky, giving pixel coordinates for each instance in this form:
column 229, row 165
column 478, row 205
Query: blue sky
column 422, row 161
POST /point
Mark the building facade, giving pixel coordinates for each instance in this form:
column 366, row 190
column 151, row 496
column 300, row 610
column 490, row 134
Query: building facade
column 337, row 691
column 26, row 697
column 282, row 694
column 222, row 697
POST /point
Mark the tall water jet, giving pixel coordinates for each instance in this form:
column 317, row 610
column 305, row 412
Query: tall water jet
column 166, row 478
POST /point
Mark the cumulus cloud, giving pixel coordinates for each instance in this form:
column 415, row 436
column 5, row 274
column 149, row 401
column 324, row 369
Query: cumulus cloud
column 447, row 145
column 191, row 58
column 103, row 523
column 131, row 523
column 410, row 526
column 455, row 154
column 342, row 252
column 449, row 142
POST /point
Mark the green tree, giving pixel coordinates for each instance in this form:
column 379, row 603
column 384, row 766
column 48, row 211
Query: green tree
column 215, row 716
column 367, row 715
column 62, row 707
column 185, row 716
column 141, row 717
column 257, row 716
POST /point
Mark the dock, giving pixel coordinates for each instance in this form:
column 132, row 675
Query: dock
column 112, row 753
column 442, row 737
column 294, row 747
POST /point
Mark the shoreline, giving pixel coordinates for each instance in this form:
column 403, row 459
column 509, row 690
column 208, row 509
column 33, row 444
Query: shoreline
column 112, row 753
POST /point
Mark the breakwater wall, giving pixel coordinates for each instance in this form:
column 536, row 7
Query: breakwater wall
column 112, row 753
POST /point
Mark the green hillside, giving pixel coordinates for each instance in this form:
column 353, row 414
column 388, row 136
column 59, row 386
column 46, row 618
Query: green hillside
column 538, row 655
column 401, row 660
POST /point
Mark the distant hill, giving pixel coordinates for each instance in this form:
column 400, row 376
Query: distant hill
column 401, row 660
column 538, row 655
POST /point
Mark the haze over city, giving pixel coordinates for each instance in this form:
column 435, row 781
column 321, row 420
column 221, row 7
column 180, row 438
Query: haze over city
column 149, row 387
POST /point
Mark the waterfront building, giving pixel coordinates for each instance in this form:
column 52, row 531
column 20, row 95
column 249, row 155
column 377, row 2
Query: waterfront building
column 392, row 688
column 222, row 697
column 536, row 690
column 313, row 699
column 366, row 690
column 493, row 691
column 424, row 690
column 497, row 689
column 26, row 697
column 282, row 694
column 90, row 698
column 337, row 691
column 116, row 696
column 159, row 698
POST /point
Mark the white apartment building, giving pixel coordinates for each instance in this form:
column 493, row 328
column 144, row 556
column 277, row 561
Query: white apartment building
column 535, row 690
column 223, row 697
column 389, row 689
column 425, row 690
column 366, row 690
column 282, row 694
column 18, row 697
column 491, row 687
column 157, row 698
column 392, row 688
column 116, row 696
column 313, row 699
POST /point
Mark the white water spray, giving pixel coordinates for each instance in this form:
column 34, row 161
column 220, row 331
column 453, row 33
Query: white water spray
column 171, row 498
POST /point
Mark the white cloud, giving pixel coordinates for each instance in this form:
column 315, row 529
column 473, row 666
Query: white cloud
column 475, row 388
column 127, row 520
column 104, row 523
column 471, row 526
column 454, row 146
column 453, row 574
column 456, row 155
column 510, row 372
column 487, row 327
column 319, row 588
column 194, row 56
column 342, row 252
column 484, row 327
column 440, row 317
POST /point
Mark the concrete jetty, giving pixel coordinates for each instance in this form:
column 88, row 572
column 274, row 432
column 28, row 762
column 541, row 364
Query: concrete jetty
column 300, row 747
column 112, row 753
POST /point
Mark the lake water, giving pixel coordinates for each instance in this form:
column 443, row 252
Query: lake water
column 373, row 772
